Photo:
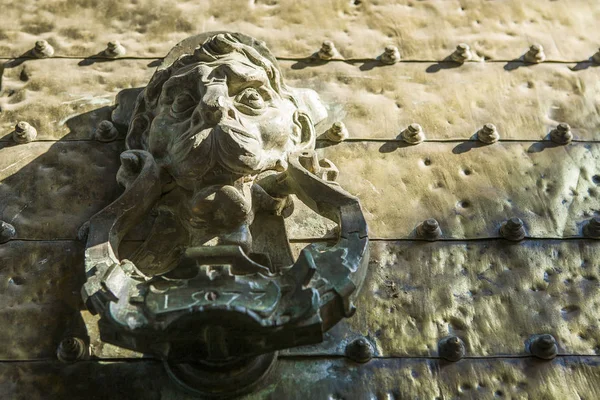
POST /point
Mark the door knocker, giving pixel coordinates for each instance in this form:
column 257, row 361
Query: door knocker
column 216, row 144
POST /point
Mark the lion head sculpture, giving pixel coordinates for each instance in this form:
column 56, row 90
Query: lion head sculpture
column 223, row 110
column 213, row 121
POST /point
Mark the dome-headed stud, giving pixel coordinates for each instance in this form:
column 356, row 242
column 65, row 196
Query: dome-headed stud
column 451, row 348
column 7, row 232
column 328, row 51
column 535, row 54
column 114, row 49
column 488, row 134
column 561, row 134
column 543, row 346
column 462, row 53
column 413, row 134
column 429, row 230
column 24, row 132
column 390, row 56
column 337, row 133
column 71, row 349
column 42, row 49
column 596, row 57
column 513, row 229
column 106, row 132
column 359, row 350
column 592, row 228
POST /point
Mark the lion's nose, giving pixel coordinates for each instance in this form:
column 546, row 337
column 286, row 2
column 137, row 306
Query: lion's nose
column 212, row 115
column 213, row 105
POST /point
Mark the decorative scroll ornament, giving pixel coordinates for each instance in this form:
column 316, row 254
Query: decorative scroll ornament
column 217, row 143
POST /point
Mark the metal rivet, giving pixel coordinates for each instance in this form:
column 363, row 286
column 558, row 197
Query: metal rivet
column 42, row 49
column 7, row 232
column 390, row 56
column 596, row 57
column 543, row 346
column 592, row 228
column 429, row 229
column 535, row 54
column 561, row 134
column 114, row 49
column 328, row 51
column 462, row 53
column 359, row 350
column 71, row 349
column 488, row 134
column 413, row 134
column 451, row 348
column 24, row 132
column 513, row 229
column 106, row 132
column 337, row 133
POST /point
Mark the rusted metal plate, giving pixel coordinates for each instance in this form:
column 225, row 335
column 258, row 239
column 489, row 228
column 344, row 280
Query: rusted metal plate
column 361, row 29
column 64, row 100
column 39, row 297
column 470, row 189
column 382, row 379
column 453, row 102
column 49, row 189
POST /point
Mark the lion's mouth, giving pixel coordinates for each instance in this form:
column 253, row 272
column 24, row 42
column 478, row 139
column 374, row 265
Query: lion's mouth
column 226, row 147
column 238, row 149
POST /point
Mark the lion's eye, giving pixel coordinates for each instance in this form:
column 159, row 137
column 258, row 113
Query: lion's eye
column 251, row 99
column 182, row 103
